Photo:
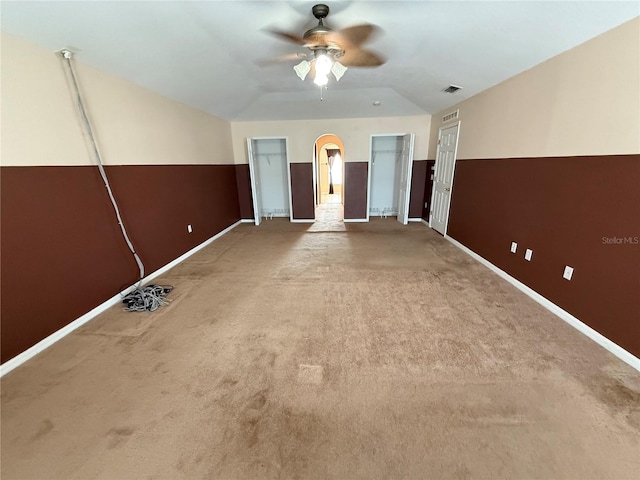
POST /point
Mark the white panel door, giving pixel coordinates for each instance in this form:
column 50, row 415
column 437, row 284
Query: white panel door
column 406, row 168
column 255, row 184
column 443, row 179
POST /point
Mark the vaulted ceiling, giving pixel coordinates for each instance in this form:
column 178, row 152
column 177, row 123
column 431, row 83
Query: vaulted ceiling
column 207, row 54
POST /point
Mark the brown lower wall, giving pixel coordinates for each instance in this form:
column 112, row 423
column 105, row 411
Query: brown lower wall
column 245, row 199
column 428, row 189
column 302, row 201
column 355, row 190
column 578, row 211
column 418, row 183
column 62, row 251
column 302, row 190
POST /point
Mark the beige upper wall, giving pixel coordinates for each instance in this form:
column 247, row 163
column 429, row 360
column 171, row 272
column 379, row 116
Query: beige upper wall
column 355, row 133
column 583, row 102
column 40, row 124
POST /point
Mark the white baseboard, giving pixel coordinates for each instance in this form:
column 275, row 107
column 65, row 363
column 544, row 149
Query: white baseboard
column 600, row 339
column 43, row 344
column 303, row 220
column 425, row 222
column 356, row 220
column 247, row 220
column 414, row 219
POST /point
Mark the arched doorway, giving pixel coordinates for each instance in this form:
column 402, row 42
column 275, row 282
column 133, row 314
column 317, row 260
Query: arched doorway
column 329, row 155
column 329, row 166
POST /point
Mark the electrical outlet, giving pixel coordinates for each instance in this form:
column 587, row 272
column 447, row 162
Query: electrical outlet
column 189, row 228
column 514, row 247
column 528, row 254
column 568, row 272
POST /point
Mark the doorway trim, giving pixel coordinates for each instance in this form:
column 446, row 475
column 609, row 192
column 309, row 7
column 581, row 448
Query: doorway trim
column 253, row 179
column 369, row 163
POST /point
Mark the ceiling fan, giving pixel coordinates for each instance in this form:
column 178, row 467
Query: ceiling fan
column 330, row 51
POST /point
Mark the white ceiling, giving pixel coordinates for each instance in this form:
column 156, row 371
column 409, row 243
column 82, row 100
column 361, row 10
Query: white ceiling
column 205, row 53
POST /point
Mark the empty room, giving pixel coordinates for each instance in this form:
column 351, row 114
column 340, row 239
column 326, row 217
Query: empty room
column 342, row 240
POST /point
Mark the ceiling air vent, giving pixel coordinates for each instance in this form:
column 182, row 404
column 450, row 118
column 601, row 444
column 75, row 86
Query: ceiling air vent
column 450, row 116
column 451, row 89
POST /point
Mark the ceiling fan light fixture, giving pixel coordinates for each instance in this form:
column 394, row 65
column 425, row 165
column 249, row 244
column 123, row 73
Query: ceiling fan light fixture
column 302, row 69
column 338, row 70
column 323, row 64
column 321, row 79
column 324, row 47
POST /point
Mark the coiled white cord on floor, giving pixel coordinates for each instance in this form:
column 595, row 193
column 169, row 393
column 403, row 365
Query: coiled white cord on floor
column 148, row 298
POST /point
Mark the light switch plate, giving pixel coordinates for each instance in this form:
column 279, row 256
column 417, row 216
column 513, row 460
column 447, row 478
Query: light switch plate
column 528, row 254
column 189, row 229
column 568, row 272
column 514, row 247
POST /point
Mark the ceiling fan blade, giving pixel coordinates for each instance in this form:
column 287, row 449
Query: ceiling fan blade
column 287, row 37
column 356, row 35
column 281, row 59
column 357, row 57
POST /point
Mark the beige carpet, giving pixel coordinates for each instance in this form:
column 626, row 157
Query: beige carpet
column 326, row 351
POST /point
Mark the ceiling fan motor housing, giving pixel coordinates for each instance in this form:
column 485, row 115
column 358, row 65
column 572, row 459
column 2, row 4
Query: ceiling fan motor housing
column 320, row 11
column 316, row 36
